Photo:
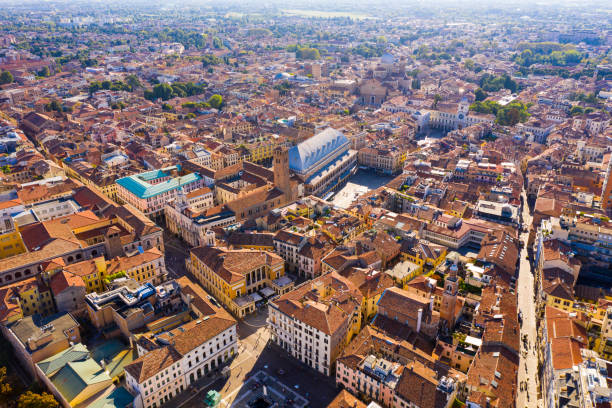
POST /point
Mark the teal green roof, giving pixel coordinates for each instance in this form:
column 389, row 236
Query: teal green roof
column 115, row 354
column 72, row 379
column 78, row 352
column 140, row 186
column 120, row 397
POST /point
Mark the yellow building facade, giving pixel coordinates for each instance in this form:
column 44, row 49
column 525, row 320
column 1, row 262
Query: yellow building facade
column 235, row 279
column 11, row 244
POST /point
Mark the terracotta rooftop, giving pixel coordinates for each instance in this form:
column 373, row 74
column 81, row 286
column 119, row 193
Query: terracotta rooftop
column 231, row 265
column 153, row 362
column 345, row 399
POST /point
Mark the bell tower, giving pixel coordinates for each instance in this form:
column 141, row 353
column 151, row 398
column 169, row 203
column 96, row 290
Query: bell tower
column 181, row 199
column 281, row 172
column 449, row 297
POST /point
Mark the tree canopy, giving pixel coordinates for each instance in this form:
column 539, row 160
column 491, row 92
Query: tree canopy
column 546, row 53
column 216, row 101
column 6, row 77
column 210, row 59
column 189, row 38
column 576, row 110
column 491, row 83
column 480, row 95
column 115, row 85
column 32, row 400
column 507, row 115
column 167, row 91
column 305, row 53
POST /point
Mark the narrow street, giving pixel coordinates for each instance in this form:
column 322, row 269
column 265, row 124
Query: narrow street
column 528, row 366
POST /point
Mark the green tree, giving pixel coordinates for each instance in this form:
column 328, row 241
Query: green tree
column 162, row 91
column 209, row 59
column 216, row 101
column 576, row 110
column 437, row 98
column 381, row 39
column 308, row 53
column 32, row 400
column 469, row 64
column 133, row 82
column 217, row 43
column 416, row 83
column 512, row 113
column 44, row 72
column 54, row 105
column 491, row 83
column 510, row 84
column 480, row 95
column 6, row 77
column 94, row 87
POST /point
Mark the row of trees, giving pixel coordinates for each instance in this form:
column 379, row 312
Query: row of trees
column 369, row 50
column 579, row 110
column 178, row 89
column 547, row 53
column 215, row 101
column 507, row 115
column 209, row 59
column 556, row 58
column 131, row 84
column 586, row 98
column 189, row 38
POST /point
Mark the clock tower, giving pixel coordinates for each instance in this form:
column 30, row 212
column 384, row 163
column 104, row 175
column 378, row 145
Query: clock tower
column 449, row 297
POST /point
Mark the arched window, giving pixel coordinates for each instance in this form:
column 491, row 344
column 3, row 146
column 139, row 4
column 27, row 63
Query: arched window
column 27, row 272
column 17, row 275
column 70, row 258
column 94, row 253
column 9, row 278
column 79, row 256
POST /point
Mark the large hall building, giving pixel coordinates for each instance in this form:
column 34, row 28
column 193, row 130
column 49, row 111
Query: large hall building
column 323, row 162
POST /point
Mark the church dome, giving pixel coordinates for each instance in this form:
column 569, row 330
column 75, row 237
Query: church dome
column 387, row 59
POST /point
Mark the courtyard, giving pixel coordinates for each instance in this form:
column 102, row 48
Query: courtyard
column 362, row 182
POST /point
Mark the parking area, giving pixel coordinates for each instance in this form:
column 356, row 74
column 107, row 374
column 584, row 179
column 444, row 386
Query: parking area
column 263, row 390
